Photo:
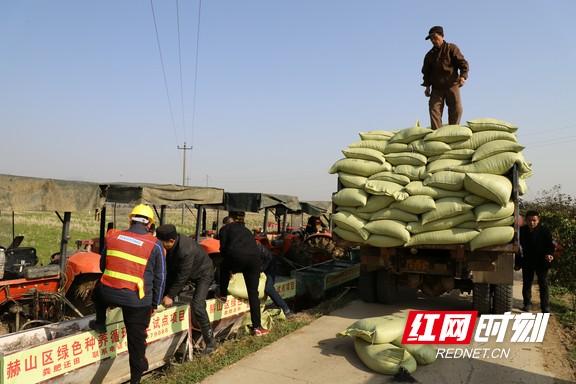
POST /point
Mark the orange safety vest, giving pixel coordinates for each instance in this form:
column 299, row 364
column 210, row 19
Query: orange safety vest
column 127, row 254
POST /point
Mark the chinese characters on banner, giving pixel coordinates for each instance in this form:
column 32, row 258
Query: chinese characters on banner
column 66, row 354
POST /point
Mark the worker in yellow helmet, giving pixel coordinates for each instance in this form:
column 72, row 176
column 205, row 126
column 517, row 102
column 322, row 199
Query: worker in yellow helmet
column 133, row 279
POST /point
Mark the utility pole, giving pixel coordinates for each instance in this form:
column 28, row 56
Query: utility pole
column 183, row 149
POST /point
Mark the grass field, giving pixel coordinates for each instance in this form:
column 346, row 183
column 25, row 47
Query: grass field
column 42, row 230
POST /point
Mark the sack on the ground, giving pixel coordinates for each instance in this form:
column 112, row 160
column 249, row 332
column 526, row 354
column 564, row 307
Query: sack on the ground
column 377, row 330
column 424, row 354
column 384, row 358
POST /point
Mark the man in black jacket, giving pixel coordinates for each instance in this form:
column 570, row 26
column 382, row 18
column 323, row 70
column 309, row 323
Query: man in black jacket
column 240, row 254
column 187, row 262
column 537, row 254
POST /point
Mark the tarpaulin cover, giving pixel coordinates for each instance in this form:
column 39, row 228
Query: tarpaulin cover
column 316, row 208
column 253, row 202
column 19, row 193
column 161, row 194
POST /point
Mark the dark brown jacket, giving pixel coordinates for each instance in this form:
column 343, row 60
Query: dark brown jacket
column 443, row 65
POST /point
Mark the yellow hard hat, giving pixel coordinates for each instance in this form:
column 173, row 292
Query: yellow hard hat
column 142, row 210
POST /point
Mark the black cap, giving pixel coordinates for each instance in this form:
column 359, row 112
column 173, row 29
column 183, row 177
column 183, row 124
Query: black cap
column 435, row 29
column 166, row 232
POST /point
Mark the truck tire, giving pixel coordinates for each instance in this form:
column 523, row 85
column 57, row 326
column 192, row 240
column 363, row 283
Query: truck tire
column 386, row 288
column 481, row 298
column 502, row 298
column 367, row 286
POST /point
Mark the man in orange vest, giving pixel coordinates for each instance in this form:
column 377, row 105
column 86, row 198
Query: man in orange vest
column 133, row 279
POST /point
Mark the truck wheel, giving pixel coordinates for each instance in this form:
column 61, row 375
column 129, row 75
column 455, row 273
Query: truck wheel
column 386, row 288
column 502, row 298
column 367, row 286
column 481, row 297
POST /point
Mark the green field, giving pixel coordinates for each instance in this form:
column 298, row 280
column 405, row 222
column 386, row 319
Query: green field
column 42, row 230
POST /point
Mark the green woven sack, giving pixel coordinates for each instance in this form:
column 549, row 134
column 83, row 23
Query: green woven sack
column 429, row 148
column 384, row 358
column 382, row 188
column 445, row 236
column 444, row 165
column 408, row 135
column 376, row 203
column 424, row 354
column 393, row 214
column 348, row 235
column 407, row 158
column 352, row 181
column 413, row 172
column 364, row 154
column 390, row 228
column 505, row 222
column 376, row 135
column 495, row 188
column 416, row 204
column 458, row 154
column 395, row 148
column 449, row 134
column 350, row 197
column 378, row 145
column 480, row 138
column 493, row 211
column 359, row 167
column 237, row 286
column 495, row 147
column 350, row 222
column 452, row 181
column 475, row 200
column 383, row 241
column 490, row 124
column 377, row 330
column 417, row 188
column 492, row 236
column 354, row 211
column 438, row 225
column 446, row 207
column 391, row 176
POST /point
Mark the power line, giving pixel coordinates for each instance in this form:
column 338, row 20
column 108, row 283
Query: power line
column 163, row 70
column 196, row 70
column 180, row 67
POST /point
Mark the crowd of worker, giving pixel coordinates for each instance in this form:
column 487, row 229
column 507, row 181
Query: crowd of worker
column 144, row 267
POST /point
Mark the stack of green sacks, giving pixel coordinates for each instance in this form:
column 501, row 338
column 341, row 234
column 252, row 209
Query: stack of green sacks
column 420, row 186
column 377, row 341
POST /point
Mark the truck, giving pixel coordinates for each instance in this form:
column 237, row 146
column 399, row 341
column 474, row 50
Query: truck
column 487, row 272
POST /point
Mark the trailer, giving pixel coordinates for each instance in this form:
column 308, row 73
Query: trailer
column 487, row 273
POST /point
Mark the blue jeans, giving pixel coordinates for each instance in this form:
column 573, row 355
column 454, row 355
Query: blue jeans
column 274, row 295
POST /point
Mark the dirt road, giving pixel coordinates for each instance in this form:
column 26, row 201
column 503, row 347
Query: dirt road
column 314, row 355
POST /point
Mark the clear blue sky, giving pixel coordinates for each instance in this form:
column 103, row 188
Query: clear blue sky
column 282, row 86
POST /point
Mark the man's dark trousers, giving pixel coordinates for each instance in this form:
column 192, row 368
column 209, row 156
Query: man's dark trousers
column 527, row 279
column 450, row 96
column 136, row 320
column 198, row 304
